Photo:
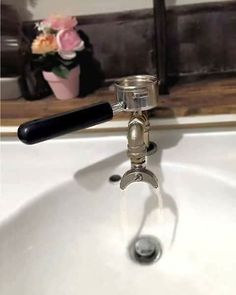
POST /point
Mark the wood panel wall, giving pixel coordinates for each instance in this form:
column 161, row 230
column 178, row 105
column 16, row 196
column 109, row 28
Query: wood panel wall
column 201, row 39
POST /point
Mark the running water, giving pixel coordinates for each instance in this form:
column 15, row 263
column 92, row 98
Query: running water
column 140, row 211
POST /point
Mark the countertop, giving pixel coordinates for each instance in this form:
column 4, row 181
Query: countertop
column 205, row 97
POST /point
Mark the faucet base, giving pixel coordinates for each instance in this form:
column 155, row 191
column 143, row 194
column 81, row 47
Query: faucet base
column 152, row 148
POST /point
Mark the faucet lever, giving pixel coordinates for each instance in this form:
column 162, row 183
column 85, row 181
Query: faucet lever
column 139, row 174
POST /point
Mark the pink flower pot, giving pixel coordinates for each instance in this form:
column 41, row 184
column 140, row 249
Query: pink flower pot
column 64, row 88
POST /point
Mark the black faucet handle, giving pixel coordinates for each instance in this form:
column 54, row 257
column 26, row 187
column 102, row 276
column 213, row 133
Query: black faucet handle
column 46, row 128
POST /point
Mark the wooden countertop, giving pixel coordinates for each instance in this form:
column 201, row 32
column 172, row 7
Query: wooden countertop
column 205, row 97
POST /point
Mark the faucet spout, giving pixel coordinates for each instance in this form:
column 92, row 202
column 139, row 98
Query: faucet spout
column 138, row 175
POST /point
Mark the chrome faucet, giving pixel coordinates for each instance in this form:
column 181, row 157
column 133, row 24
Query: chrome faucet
column 135, row 94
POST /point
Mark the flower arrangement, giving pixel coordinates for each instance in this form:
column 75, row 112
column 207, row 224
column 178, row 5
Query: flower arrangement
column 58, row 44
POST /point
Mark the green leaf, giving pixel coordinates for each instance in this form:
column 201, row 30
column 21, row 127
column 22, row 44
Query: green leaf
column 61, row 71
column 67, row 62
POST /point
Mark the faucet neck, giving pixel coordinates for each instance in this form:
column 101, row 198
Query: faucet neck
column 138, row 141
column 136, row 144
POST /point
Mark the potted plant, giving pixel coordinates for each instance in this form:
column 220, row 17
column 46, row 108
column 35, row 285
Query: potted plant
column 56, row 51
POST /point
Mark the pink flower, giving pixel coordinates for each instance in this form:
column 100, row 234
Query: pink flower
column 68, row 42
column 58, row 22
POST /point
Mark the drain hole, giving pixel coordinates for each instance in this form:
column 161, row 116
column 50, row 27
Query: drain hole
column 115, row 178
column 145, row 250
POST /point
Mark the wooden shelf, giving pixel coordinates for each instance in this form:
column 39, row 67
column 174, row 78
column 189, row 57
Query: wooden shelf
column 209, row 96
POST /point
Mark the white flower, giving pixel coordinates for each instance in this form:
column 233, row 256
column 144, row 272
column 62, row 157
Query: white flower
column 67, row 54
column 71, row 54
column 42, row 26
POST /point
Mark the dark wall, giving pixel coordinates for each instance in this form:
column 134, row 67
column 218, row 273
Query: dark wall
column 123, row 42
column 201, row 38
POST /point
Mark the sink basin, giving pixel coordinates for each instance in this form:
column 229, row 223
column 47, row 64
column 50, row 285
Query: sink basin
column 66, row 229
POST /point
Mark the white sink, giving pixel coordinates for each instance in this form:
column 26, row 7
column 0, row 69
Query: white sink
column 65, row 229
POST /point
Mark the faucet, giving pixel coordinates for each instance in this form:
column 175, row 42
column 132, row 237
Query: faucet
column 138, row 94
column 137, row 152
column 134, row 94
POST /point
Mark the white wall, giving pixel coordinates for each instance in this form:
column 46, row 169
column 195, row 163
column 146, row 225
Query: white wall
column 37, row 9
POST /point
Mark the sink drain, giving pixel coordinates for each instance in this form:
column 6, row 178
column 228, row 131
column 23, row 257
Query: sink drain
column 145, row 250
